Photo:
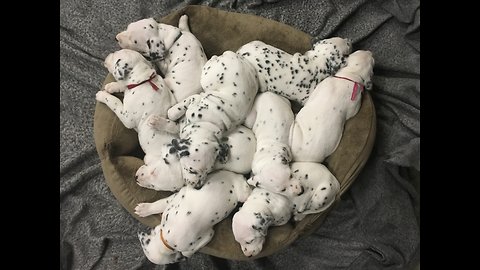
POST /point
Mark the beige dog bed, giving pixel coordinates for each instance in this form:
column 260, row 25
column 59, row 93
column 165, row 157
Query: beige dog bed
column 218, row 31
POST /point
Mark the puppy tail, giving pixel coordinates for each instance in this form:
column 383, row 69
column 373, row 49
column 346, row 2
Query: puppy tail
column 183, row 23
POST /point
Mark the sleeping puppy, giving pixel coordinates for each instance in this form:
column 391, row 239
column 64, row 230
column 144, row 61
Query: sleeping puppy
column 230, row 86
column 270, row 119
column 321, row 188
column 295, row 76
column 318, row 126
column 165, row 173
column 145, row 94
column 261, row 210
column 189, row 216
column 175, row 50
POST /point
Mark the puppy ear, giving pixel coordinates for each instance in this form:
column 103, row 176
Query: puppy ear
column 223, row 152
column 123, row 39
column 141, row 71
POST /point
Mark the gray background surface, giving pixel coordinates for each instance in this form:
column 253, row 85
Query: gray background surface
column 375, row 226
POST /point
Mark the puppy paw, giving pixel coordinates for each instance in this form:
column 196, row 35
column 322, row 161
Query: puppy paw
column 162, row 124
column 114, row 87
column 143, row 209
column 102, row 96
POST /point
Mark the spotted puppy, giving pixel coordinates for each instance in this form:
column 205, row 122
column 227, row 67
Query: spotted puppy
column 230, row 84
column 189, row 216
column 318, row 126
column 270, row 119
column 321, row 188
column 165, row 173
column 145, row 95
column 261, row 210
column 295, row 76
column 175, row 50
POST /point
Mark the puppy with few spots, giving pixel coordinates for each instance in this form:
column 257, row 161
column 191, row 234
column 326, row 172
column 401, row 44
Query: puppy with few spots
column 145, row 96
column 177, row 53
column 261, row 210
column 165, row 173
column 321, row 188
column 189, row 215
column 270, row 119
column 318, row 126
column 295, row 76
column 230, row 84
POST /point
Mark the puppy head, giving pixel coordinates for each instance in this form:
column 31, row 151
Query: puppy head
column 155, row 250
column 361, row 63
column 249, row 230
column 336, row 45
column 321, row 187
column 128, row 65
column 275, row 177
column 197, row 160
column 162, row 173
column 142, row 36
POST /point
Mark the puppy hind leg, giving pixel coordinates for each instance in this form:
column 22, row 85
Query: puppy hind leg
column 147, row 209
column 162, row 124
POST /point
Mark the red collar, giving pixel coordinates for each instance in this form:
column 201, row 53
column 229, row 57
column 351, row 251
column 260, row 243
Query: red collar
column 164, row 241
column 130, row 86
column 355, row 87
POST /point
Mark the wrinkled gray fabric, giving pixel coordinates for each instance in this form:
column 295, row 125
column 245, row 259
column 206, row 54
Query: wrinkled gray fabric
column 376, row 224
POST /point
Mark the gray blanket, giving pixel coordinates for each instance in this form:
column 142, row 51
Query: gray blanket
column 375, row 226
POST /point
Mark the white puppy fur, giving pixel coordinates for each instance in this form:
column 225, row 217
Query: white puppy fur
column 261, row 210
column 295, row 76
column 230, row 84
column 318, row 126
column 321, row 188
column 189, row 216
column 270, row 119
column 142, row 101
column 165, row 173
column 175, row 50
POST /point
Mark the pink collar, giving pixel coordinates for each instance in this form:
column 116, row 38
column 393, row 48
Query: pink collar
column 130, row 86
column 355, row 87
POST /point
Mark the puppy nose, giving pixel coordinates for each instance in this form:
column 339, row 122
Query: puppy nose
column 136, row 177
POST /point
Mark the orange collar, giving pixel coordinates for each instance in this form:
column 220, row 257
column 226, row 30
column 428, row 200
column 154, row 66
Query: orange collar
column 164, row 241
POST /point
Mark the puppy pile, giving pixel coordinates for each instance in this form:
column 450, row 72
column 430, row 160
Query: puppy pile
column 220, row 133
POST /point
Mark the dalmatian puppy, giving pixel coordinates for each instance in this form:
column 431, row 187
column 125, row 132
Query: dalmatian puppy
column 295, row 76
column 230, row 85
column 189, row 216
column 261, row 210
column 176, row 52
column 318, row 126
column 270, row 119
column 165, row 173
column 145, row 95
column 321, row 188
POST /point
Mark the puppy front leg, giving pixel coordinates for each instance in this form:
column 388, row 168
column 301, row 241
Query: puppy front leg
column 203, row 241
column 115, row 87
column 179, row 109
column 116, row 106
column 147, row 209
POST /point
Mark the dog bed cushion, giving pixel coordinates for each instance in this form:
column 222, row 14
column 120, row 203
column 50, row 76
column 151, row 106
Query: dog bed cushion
column 218, row 31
